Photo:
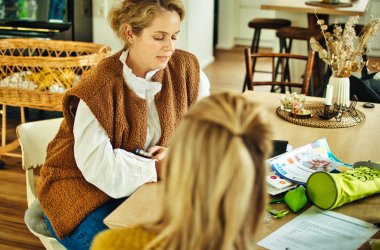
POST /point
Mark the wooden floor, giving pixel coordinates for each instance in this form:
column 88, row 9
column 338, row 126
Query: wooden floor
column 13, row 232
column 228, row 70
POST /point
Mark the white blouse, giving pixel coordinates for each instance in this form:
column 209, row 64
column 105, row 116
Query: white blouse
column 118, row 172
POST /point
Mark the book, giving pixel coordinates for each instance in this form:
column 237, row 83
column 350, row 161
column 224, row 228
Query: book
column 298, row 164
column 276, row 184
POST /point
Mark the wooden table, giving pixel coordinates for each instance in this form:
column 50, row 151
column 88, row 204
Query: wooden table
column 359, row 7
column 361, row 142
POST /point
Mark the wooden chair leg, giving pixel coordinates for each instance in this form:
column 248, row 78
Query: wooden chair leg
column 3, row 131
column 22, row 114
column 4, row 126
column 245, row 83
column 7, row 148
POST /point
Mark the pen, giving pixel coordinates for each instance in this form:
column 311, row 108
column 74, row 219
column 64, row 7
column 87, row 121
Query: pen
column 275, row 201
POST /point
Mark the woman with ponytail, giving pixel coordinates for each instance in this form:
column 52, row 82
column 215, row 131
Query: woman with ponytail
column 214, row 191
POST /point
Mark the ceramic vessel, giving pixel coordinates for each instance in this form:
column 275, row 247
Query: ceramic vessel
column 341, row 93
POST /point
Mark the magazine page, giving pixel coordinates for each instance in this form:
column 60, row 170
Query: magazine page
column 298, row 164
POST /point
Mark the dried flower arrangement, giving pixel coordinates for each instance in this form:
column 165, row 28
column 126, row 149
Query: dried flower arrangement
column 344, row 48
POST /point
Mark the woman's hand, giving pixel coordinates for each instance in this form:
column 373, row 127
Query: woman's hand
column 159, row 153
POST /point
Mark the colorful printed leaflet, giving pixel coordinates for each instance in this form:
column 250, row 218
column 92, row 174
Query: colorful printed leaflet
column 298, row 164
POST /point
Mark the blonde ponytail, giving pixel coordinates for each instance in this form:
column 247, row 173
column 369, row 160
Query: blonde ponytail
column 214, row 192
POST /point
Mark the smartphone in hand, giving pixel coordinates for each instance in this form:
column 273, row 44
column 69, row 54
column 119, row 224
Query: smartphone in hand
column 143, row 153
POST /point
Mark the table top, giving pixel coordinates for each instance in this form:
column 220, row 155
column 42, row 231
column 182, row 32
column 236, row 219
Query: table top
column 142, row 206
column 358, row 143
column 358, row 7
column 349, row 144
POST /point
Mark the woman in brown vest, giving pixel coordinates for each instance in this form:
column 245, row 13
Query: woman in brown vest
column 131, row 100
column 213, row 177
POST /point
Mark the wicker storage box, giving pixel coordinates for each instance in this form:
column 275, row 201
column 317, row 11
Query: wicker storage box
column 35, row 73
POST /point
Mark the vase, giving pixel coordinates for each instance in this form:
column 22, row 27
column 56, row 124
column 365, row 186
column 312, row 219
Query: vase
column 341, row 91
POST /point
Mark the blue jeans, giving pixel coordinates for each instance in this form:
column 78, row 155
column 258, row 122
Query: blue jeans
column 82, row 236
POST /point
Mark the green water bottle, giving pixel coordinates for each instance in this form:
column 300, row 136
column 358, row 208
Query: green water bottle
column 23, row 14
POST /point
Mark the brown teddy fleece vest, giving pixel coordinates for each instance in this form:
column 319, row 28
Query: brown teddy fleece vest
column 66, row 197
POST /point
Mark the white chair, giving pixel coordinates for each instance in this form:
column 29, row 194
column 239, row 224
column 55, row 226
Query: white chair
column 34, row 138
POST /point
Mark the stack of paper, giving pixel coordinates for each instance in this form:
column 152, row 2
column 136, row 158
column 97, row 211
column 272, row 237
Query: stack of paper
column 320, row 230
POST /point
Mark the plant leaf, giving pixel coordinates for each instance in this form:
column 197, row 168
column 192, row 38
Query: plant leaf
column 315, row 46
column 322, row 54
column 320, row 21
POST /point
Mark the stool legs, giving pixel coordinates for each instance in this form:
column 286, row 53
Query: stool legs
column 254, row 49
column 255, row 41
column 285, row 47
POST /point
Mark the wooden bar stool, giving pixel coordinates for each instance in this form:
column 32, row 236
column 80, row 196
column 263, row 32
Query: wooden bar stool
column 258, row 24
column 287, row 35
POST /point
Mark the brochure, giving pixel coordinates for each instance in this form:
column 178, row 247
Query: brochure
column 277, row 185
column 298, row 164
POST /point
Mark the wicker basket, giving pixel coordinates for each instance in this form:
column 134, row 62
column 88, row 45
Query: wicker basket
column 35, row 73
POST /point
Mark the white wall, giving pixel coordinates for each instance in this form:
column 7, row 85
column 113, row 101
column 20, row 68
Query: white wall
column 233, row 29
column 226, row 24
column 196, row 30
column 200, row 26
column 102, row 32
column 234, row 16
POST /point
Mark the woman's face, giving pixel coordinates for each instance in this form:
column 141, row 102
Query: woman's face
column 153, row 48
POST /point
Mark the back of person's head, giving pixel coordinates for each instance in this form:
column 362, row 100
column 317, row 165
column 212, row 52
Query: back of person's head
column 140, row 14
column 214, row 192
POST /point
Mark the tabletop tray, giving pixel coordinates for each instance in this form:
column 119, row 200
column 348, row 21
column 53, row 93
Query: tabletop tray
column 316, row 122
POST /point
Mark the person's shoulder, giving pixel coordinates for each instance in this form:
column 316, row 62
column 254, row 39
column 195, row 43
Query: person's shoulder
column 106, row 66
column 184, row 53
column 183, row 59
column 103, row 72
column 126, row 238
